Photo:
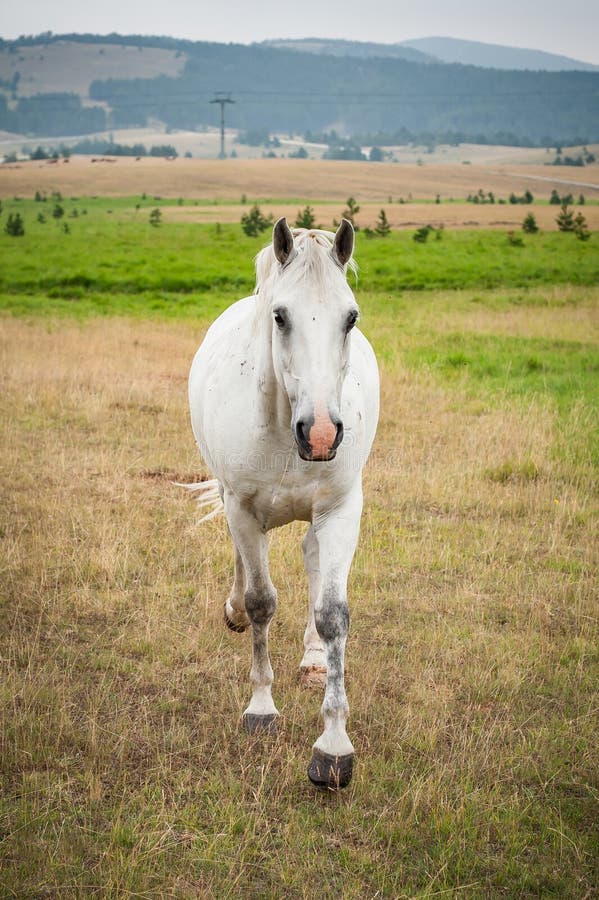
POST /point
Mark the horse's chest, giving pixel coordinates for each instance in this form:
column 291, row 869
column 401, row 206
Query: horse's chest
column 286, row 498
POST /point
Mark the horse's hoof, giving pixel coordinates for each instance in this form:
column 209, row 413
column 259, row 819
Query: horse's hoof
column 255, row 724
column 313, row 676
column 330, row 773
column 238, row 629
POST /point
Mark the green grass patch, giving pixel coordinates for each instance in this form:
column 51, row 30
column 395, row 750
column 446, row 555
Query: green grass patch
column 111, row 248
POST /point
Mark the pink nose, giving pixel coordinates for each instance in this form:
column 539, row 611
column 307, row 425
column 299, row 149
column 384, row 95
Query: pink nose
column 322, row 436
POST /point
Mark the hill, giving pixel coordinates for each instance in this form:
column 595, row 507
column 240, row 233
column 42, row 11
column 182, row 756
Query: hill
column 357, row 49
column 383, row 100
column 495, row 56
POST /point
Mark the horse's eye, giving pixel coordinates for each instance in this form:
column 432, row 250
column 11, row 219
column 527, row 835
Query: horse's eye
column 351, row 320
column 279, row 319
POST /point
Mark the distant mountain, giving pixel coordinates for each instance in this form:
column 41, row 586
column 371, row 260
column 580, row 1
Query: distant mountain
column 495, row 56
column 357, row 49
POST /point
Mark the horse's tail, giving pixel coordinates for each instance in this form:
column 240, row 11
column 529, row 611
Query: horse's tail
column 207, row 494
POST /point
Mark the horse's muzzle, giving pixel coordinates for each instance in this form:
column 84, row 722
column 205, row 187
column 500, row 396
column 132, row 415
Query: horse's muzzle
column 314, row 448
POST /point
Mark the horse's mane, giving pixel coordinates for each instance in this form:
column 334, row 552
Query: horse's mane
column 313, row 258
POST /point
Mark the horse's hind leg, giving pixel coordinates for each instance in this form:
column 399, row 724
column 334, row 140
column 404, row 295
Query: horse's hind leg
column 313, row 667
column 235, row 615
column 260, row 603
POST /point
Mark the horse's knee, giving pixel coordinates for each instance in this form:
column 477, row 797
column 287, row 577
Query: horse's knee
column 331, row 615
column 260, row 605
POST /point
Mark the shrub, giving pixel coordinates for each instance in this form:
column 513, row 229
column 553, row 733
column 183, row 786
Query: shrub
column 14, row 225
column 351, row 211
column 254, row 222
column 580, row 228
column 305, row 218
column 529, row 225
column 565, row 218
column 526, row 198
column 155, row 217
column 514, row 240
column 58, row 211
column 382, row 228
column 421, row 234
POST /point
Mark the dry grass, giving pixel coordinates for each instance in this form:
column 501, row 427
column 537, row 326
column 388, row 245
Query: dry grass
column 288, row 178
column 43, row 68
column 400, row 216
column 470, row 662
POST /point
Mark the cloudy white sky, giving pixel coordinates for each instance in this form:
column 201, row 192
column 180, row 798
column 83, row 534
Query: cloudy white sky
column 571, row 29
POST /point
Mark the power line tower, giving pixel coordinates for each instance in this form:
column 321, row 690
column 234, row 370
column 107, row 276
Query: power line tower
column 222, row 98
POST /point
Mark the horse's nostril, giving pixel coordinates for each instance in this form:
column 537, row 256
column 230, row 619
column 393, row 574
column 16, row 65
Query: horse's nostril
column 302, row 436
column 338, row 436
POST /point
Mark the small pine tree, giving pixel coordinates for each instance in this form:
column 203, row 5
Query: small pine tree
column 58, row 211
column 305, row 218
column 555, row 198
column 41, row 218
column 254, row 222
column 14, row 225
column 382, row 228
column 581, row 200
column 565, row 218
column 155, row 217
column 580, row 228
column 351, row 211
column 529, row 225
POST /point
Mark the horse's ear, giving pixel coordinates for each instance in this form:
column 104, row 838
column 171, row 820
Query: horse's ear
column 282, row 241
column 343, row 245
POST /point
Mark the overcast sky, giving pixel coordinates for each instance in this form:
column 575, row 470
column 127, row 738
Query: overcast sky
column 571, row 29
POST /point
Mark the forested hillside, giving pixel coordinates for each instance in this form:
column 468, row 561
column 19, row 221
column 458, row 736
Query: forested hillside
column 286, row 90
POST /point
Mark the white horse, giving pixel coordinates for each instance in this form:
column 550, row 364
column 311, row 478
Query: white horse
column 284, row 398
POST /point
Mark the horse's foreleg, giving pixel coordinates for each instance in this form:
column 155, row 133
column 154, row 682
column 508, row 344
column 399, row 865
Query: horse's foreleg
column 235, row 614
column 260, row 600
column 337, row 536
column 313, row 665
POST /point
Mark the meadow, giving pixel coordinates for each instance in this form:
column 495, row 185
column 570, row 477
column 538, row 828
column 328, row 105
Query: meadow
column 472, row 660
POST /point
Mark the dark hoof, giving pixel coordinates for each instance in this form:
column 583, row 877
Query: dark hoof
column 260, row 724
column 329, row 772
column 238, row 629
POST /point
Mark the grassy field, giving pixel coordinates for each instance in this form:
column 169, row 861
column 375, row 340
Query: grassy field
column 472, row 661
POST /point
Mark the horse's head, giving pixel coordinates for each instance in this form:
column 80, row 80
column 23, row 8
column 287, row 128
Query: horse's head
column 313, row 311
